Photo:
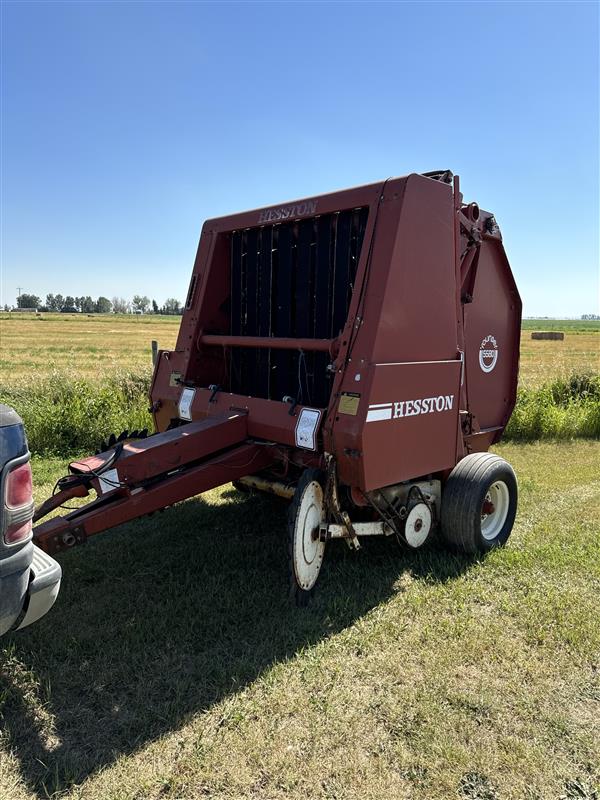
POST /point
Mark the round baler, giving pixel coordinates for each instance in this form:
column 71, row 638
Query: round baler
column 356, row 353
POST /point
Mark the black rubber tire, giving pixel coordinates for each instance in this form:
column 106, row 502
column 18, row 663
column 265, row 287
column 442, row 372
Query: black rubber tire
column 299, row 595
column 462, row 500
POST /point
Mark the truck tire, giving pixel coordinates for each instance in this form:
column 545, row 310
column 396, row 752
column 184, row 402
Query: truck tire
column 479, row 503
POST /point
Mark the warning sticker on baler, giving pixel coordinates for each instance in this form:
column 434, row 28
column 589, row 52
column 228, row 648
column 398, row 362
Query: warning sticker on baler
column 185, row 403
column 109, row 480
column 306, row 428
column 349, row 403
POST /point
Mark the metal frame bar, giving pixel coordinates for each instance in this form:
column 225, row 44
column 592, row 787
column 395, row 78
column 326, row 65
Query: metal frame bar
column 125, row 504
column 334, row 530
column 269, row 342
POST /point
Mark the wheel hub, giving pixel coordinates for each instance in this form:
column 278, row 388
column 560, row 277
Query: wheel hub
column 494, row 510
column 418, row 525
column 487, row 508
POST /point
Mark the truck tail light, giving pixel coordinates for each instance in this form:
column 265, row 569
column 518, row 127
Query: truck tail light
column 18, row 502
column 19, row 487
column 17, row 532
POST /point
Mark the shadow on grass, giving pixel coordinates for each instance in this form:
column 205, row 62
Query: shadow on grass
column 160, row 620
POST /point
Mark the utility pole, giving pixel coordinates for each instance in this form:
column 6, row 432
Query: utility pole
column 19, row 290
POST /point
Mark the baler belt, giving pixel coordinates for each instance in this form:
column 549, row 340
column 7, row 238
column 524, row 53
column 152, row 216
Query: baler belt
column 292, row 280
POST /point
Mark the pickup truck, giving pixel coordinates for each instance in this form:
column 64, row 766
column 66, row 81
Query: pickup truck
column 29, row 578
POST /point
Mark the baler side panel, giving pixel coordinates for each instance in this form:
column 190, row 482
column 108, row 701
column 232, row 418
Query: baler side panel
column 409, row 312
column 418, row 315
column 492, row 326
column 409, row 422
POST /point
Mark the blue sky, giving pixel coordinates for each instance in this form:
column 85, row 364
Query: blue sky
column 125, row 125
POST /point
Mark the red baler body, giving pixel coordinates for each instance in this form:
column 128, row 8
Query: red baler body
column 378, row 325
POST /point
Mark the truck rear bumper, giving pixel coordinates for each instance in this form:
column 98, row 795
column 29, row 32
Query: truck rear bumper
column 43, row 587
column 29, row 585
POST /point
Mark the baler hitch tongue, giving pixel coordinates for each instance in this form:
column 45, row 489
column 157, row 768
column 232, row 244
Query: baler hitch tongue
column 138, row 478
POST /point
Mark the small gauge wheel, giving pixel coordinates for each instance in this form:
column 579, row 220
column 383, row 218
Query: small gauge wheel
column 418, row 525
column 305, row 548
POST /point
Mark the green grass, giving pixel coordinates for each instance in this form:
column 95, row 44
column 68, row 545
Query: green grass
column 66, row 413
column 88, row 376
column 173, row 665
column 563, row 408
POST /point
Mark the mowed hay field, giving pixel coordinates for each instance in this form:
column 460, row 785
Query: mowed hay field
column 546, row 359
column 94, row 345
column 173, row 665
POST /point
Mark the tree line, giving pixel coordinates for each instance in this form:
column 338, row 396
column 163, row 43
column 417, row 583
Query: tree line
column 102, row 305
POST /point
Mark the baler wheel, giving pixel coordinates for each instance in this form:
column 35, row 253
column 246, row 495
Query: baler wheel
column 305, row 549
column 479, row 503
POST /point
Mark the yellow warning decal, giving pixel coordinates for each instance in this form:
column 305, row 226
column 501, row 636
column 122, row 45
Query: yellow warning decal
column 349, row 403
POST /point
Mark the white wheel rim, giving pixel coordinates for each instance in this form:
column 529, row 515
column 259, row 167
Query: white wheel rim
column 418, row 525
column 307, row 547
column 494, row 510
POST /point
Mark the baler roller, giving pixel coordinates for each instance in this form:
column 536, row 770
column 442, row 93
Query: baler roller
column 330, row 346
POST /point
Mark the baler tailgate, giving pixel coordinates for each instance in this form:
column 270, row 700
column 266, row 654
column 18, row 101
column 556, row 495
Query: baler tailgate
column 150, row 475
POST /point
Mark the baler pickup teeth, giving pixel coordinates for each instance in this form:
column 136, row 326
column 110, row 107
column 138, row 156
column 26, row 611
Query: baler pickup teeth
column 124, row 436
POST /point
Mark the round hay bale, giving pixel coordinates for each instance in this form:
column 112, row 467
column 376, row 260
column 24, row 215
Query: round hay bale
column 557, row 335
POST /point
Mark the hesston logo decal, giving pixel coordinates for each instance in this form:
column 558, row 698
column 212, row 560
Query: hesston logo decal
column 410, row 408
column 288, row 212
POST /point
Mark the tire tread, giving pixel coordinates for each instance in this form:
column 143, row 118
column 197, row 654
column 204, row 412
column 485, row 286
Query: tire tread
column 461, row 521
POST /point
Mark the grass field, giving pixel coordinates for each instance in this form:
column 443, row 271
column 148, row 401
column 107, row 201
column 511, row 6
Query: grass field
column 173, row 665
column 77, row 378
column 97, row 345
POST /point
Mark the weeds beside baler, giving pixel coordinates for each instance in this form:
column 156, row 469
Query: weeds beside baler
column 356, row 352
